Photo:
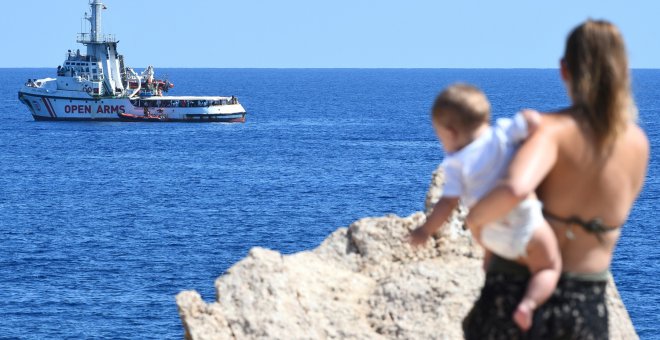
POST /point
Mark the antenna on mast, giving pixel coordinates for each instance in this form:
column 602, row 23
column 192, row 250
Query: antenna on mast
column 82, row 22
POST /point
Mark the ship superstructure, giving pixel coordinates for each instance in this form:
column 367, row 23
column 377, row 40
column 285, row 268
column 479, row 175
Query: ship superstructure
column 97, row 85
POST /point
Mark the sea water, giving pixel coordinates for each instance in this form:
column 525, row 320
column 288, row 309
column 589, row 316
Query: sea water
column 102, row 224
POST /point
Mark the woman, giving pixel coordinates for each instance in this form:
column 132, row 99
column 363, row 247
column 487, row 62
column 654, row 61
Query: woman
column 587, row 164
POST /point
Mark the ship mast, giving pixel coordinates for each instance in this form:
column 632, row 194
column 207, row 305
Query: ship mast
column 95, row 20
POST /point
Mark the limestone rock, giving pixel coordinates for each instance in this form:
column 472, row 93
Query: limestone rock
column 362, row 282
column 300, row 296
column 202, row 321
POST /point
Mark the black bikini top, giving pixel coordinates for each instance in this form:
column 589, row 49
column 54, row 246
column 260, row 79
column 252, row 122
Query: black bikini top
column 594, row 226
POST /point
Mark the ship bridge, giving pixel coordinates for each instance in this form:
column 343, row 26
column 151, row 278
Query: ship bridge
column 102, row 63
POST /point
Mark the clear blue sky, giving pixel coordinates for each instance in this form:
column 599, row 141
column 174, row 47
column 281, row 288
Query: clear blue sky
column 338, row 33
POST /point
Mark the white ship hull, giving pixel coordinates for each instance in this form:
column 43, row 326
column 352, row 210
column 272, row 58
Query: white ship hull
column 54, row 107
column 98, row 86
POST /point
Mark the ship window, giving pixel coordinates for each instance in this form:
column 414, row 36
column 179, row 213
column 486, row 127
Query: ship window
column 93, row 70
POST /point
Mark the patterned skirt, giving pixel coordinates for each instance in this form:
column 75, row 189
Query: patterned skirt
column 577, row 308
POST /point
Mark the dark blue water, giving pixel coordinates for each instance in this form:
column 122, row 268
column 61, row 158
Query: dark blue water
column 103, row 224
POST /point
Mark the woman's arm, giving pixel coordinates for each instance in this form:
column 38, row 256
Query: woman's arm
column 529, row 166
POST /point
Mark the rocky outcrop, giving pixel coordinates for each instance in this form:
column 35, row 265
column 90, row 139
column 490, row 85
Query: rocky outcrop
column 362, row 282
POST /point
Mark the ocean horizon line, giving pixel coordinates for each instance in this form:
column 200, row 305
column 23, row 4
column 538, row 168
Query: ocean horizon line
column 329, row 68
column 320, row 68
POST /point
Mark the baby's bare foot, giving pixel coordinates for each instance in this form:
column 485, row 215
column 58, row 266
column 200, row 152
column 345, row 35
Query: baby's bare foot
column 523, row 315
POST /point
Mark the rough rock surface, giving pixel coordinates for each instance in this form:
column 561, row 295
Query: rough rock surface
column 362, row 282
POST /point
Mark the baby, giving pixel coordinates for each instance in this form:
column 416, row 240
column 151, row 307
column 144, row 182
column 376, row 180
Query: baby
column 477, row 157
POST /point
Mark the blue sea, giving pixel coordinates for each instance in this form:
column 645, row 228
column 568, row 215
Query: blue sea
column 102, row 224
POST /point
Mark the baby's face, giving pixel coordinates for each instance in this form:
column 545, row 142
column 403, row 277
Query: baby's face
column 448, row 137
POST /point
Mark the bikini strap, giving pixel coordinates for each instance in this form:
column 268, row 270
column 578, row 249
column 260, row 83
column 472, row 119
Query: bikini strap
column 594, row 226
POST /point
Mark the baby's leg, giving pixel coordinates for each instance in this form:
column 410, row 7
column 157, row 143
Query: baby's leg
column 544, row 262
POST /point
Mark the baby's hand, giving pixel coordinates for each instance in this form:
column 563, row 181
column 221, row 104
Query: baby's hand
column 418, row 237
column 533, row 119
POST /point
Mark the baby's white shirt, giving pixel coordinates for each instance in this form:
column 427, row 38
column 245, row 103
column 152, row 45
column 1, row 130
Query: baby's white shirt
column 474, row 170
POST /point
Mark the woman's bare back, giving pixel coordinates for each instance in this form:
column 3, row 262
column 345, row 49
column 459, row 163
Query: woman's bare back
column 583, row 185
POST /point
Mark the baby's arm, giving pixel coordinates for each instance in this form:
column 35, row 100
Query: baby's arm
column 438, row 217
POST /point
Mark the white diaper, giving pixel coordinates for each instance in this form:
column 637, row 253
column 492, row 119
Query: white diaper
column 509, row 236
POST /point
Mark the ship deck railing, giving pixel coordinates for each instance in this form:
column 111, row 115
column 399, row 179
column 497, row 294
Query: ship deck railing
column 86, row 38
column 182, row 103
column 75, row 56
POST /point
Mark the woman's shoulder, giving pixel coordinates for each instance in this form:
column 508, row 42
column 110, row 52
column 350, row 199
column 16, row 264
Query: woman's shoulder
column 635, row 144
column 558, row 123
column 563, row 124
column 563, row 116
column 637, row 136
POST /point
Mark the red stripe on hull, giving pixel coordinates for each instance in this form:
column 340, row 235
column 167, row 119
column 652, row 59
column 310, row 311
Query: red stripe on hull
column 71, row 119
column 50, row 110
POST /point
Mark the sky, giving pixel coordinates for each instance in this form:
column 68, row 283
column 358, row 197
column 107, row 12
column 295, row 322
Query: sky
column 326, row 34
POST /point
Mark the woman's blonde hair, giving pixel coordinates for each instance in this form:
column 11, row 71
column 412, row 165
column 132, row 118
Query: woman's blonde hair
column 596, row 60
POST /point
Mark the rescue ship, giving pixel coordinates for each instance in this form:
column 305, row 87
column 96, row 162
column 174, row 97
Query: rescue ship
column 97, row 86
